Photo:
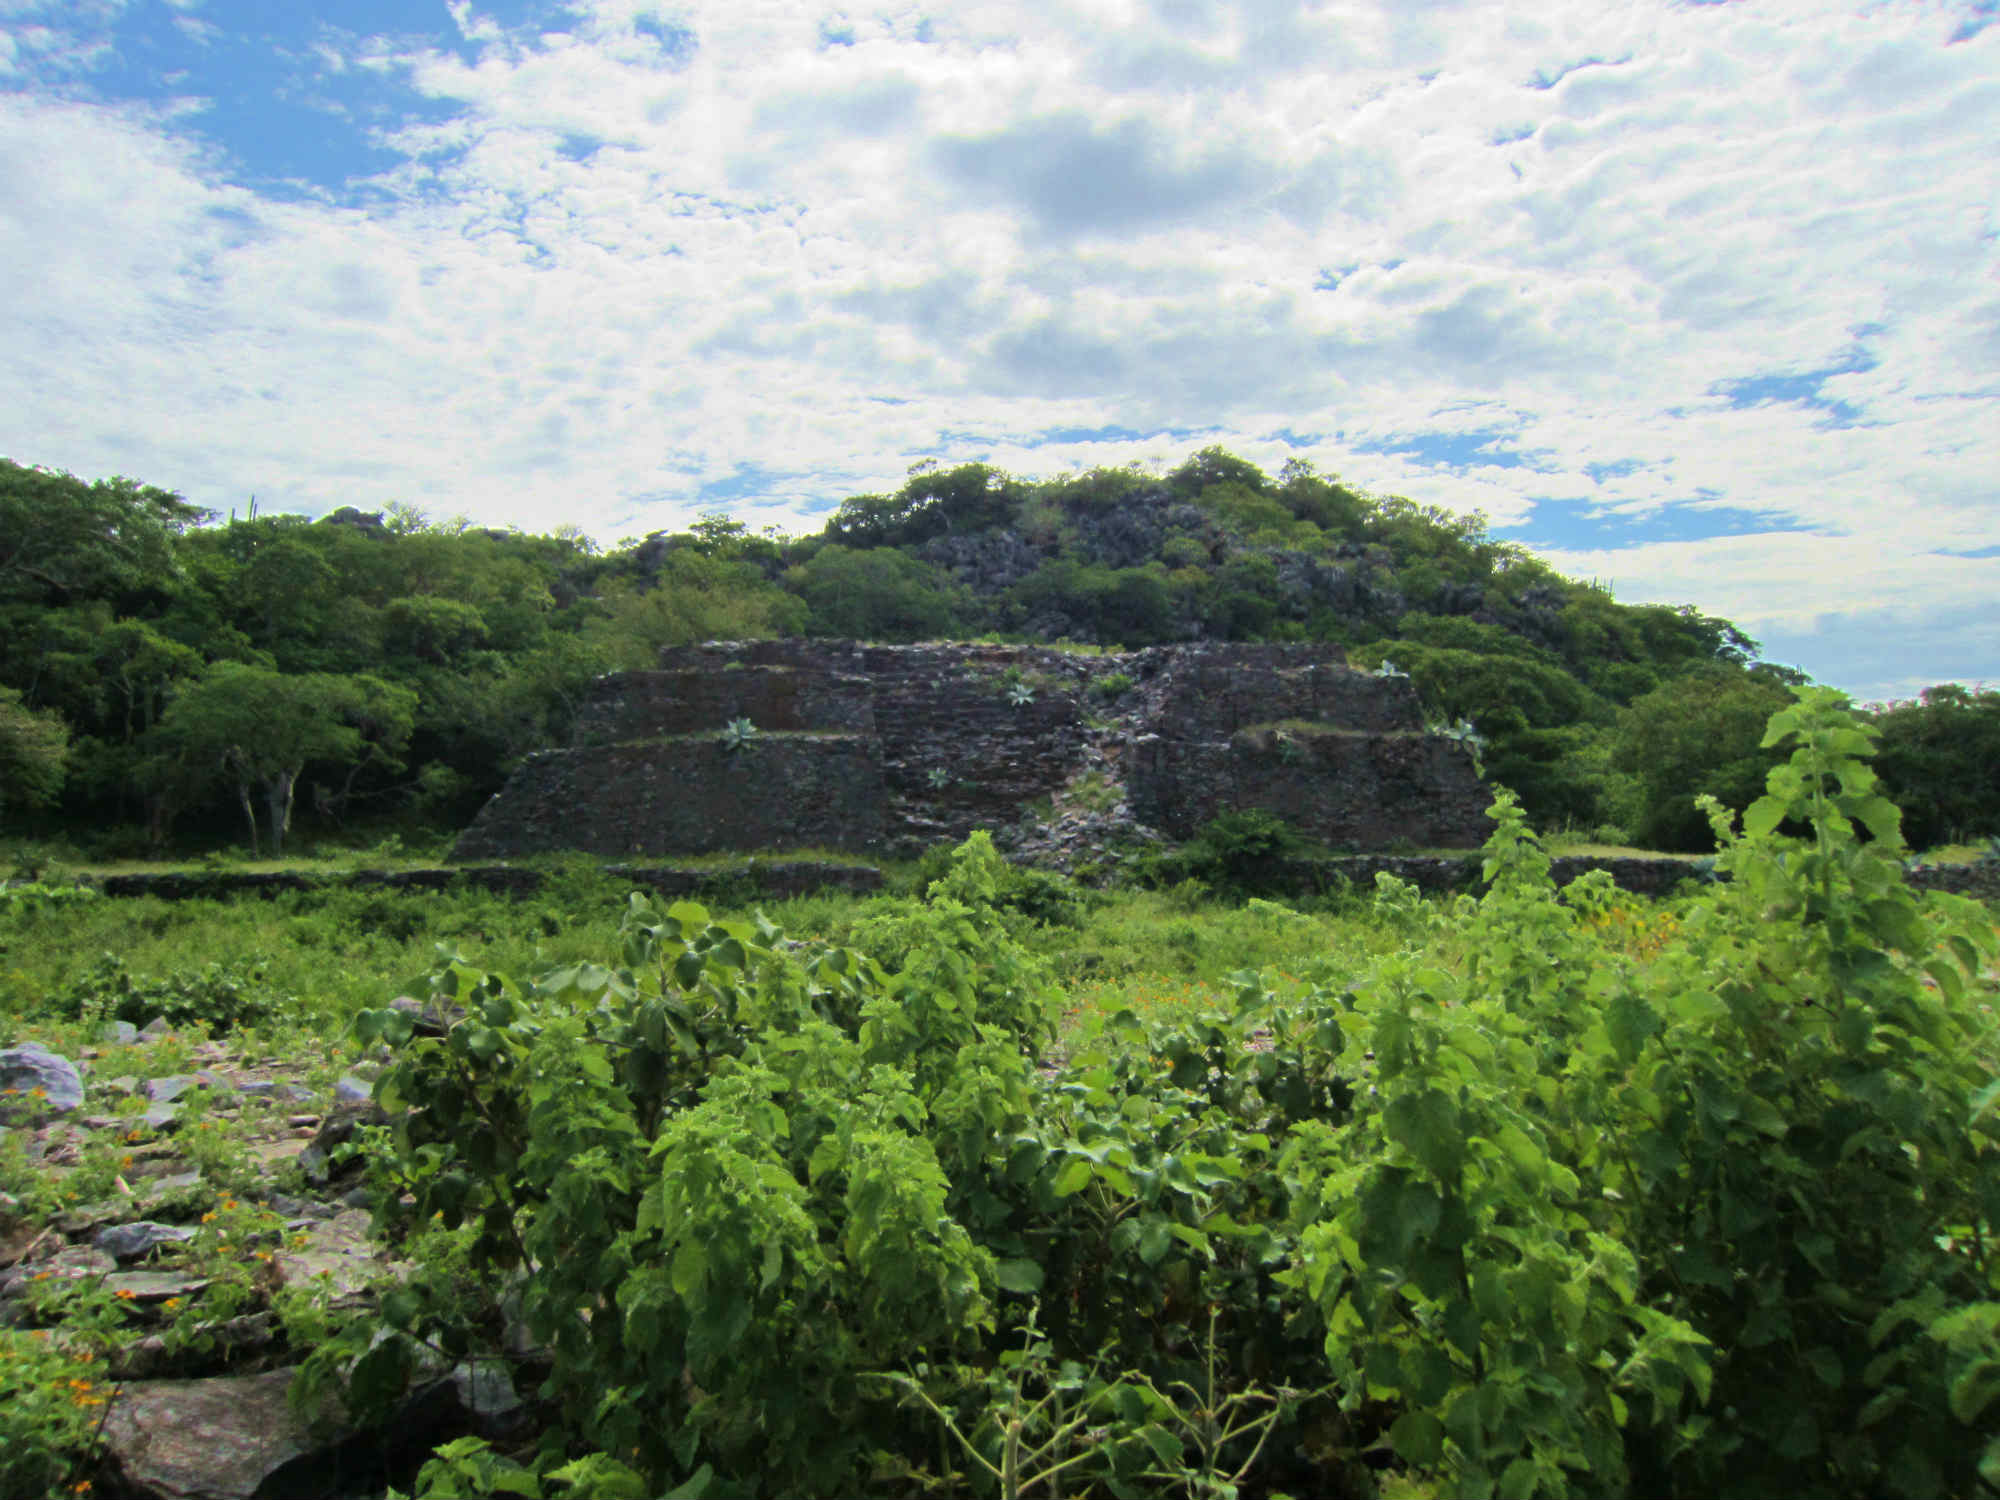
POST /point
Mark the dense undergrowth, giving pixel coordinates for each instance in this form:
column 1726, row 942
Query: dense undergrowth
column 995, row 1191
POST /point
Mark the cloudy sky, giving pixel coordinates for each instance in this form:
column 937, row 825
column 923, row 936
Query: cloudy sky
column 1699, row 299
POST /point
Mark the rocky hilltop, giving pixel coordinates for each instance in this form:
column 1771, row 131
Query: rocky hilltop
column 890, row 749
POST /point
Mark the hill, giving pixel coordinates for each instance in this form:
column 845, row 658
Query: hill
column 164, row 674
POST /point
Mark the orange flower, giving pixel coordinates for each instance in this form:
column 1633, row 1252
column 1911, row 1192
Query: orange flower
column 125, row 1294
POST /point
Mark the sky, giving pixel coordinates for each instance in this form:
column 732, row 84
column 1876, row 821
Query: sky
column 1695, row 298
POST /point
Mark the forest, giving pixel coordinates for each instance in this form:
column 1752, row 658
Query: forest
column 172, row 681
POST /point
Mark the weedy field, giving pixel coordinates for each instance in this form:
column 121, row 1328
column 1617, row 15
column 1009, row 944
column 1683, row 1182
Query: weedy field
column 1008, row 1188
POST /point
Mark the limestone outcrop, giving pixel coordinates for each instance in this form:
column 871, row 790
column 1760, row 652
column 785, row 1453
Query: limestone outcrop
column 889, row 749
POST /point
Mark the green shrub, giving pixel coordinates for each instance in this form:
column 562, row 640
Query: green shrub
column 1714, row 1224
column 216, row 997
column 1235, row 853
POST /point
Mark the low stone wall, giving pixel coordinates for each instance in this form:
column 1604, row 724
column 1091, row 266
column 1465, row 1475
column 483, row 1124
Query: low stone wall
column 771, row 879
column 1441, row 874
column 1980, row 881
column 687, row 796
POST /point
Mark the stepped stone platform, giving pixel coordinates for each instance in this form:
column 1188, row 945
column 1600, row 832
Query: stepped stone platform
column 890, row 749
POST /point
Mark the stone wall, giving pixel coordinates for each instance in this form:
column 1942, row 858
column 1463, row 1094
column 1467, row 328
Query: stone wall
column 647, row 705
column 1347, row 789
column 687, row 796
column 893, row 748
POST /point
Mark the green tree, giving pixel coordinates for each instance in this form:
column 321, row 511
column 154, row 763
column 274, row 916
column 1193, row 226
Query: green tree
column 62, row 539
column 1940, row 761
column 878, row 595
column 432, row 629
column 34, row 748
column 139, row 667
column 257, row 730
column 1702, row 732
column 692, row 598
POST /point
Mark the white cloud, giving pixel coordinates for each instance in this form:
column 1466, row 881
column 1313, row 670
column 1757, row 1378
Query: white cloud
column 673, row 241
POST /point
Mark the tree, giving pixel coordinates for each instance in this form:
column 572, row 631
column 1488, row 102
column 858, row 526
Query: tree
column 62, row 539
column 432, row 629
column 34, row 748
column 691, row 598
column 142, row 666
column 1940, row 761
column 258, row 729
column 878, row 595
column 1702, row 732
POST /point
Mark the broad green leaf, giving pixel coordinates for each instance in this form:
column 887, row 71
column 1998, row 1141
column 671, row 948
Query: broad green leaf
column 1165, row 1446
column 1760, row 1114
column 1882, row 818
column 1973, row 1389
column 1825, row 1366
column 1518, row 1480
column 1018, row 1276
column 690, row 1270
column 1073, row 1177
column 1763, row 815
column 1427, row 1126
column 1418, row 1438
column 1630, row 1023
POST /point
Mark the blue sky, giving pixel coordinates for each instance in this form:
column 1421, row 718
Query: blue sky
column 1700, row 300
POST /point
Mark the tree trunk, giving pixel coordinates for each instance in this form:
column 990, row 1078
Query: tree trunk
column 278, row 803
column 249, row 813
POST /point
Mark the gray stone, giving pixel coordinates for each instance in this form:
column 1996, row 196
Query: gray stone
column 161, row 1116
column 335, row 1131
column 31, row 1066
column 156, row 1356
column 168, row 1184
column 141, row 1237
column 352, row 1090
column 166, row 1090
column 154, row 1286
column 229, row 1438
column 486, row 1392
column 154, row 1029
column 72, row 1263
column 119, row 1034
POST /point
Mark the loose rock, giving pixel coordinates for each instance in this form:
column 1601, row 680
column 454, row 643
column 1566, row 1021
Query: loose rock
column 31, row 1067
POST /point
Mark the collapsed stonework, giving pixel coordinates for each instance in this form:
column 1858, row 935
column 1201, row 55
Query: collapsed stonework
column 890, row 749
